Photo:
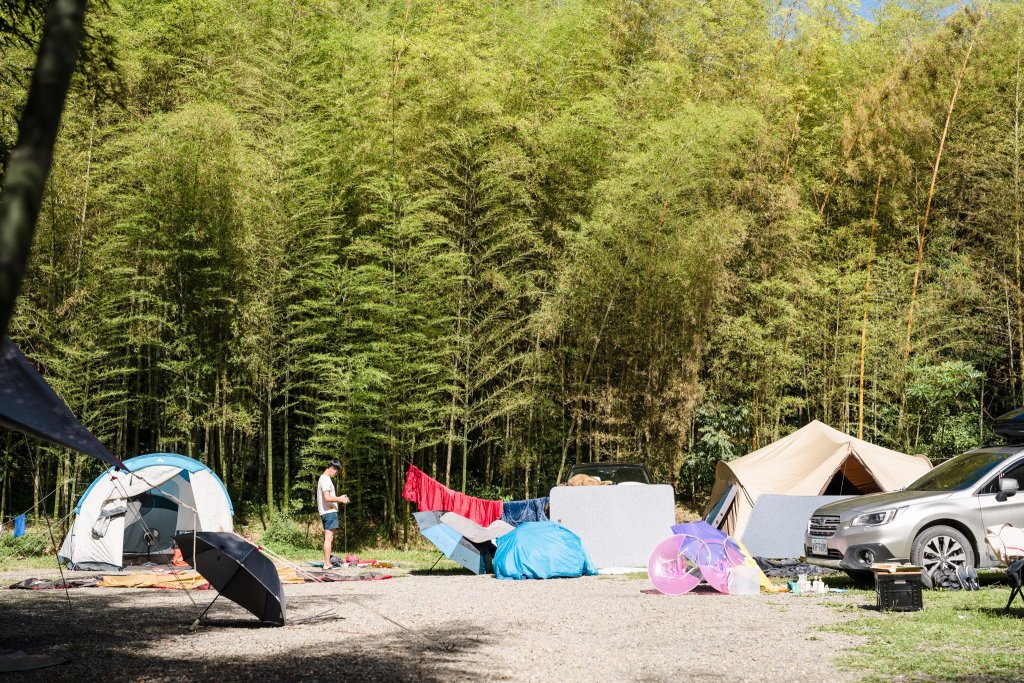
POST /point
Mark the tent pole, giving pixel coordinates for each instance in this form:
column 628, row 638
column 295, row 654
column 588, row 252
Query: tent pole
column 56, row 556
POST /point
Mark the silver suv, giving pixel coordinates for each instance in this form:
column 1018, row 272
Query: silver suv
column 937, row 522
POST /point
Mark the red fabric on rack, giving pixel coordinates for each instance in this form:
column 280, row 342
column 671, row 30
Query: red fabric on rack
column 430, row 494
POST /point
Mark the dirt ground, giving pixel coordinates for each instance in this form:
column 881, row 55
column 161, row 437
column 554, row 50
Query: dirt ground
column 431, row 627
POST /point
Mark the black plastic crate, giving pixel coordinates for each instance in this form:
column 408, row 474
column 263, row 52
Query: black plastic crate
column 899, row 592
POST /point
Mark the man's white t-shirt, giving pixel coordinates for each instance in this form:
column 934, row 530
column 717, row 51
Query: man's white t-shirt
column 325, row 484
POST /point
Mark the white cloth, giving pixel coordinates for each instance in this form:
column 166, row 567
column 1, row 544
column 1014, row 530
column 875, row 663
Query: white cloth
column 1006, row 542
column 325, row 485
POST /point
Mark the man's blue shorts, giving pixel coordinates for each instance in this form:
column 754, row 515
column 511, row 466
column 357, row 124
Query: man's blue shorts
column 330, row 521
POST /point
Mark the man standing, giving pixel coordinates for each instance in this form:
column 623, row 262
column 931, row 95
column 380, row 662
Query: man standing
column 327, row 505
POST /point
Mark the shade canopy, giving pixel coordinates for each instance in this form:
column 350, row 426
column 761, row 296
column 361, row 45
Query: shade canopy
column 30, row 406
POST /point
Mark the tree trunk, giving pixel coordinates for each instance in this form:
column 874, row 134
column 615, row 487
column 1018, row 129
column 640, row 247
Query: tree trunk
column 931, row 190
column 29, row 164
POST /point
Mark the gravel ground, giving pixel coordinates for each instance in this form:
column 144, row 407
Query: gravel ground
column 432, row 627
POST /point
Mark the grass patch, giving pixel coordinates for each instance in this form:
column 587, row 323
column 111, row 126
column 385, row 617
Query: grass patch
column 958, row 636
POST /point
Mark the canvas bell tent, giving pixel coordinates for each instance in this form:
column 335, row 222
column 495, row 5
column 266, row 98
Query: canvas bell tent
column 815, row 460
column 130, row 515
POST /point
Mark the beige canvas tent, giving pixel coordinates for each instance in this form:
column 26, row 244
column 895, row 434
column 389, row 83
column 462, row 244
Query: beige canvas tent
column 815, row 460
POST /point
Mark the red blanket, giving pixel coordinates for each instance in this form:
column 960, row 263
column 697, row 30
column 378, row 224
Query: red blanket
column 430, row 494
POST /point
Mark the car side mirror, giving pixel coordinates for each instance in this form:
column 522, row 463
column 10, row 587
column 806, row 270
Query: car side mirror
column 1008, row 486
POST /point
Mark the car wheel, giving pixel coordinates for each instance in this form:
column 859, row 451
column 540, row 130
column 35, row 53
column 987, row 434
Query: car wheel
column 940, row 550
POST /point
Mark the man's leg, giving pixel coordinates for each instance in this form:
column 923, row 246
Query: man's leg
column 328, row 542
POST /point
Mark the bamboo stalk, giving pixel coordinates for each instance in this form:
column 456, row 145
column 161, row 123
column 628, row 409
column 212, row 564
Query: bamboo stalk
column 864, row 323
column 1018, row 105
column 935, row 175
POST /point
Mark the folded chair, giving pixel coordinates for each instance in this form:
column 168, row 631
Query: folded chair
column 1007, row 544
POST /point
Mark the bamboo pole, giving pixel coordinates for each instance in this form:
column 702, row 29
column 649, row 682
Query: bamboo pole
column 1018, row 105
column 867, row 294
column 935, row 175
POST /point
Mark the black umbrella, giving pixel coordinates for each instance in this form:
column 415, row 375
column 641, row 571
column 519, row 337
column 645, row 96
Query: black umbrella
column 237, row 570
column 30, row 406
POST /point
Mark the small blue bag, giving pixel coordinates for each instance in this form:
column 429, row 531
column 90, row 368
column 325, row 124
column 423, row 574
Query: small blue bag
column 19, row 526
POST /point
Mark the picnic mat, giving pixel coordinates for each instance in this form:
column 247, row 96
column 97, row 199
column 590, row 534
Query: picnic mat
column 289, row 575
column 190, row 580
column 19, row 661
column 34, row 584
column 181, row 580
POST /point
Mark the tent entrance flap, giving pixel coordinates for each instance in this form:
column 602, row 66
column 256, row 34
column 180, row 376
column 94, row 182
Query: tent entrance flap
column 150, row 524
column 851, row 478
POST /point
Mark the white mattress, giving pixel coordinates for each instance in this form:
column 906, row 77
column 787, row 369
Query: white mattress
column 619, row 525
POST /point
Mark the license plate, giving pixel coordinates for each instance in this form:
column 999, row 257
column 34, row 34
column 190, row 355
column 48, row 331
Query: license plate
column 819, row 546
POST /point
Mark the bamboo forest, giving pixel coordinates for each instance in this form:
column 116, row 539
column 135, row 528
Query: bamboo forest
column 495, row 239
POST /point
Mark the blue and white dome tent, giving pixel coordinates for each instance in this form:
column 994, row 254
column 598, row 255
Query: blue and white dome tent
column 136, row 514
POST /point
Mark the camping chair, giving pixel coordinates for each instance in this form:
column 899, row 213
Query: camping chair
column 1015, row 576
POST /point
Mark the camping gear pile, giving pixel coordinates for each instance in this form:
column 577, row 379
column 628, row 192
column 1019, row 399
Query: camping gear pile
column 513, row 540
column 698, row 552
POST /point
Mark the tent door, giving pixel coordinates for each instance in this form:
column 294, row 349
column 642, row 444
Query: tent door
column 851, row 478
column 150, row 524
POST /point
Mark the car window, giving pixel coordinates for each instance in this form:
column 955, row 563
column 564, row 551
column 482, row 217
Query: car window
column 617, row 475
column 1015, row 472
column 962, row 472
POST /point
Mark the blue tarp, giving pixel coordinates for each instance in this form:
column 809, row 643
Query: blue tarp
column 515, row 512
column 541, row 550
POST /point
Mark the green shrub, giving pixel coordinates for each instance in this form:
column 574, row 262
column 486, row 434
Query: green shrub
column 283, row 530
column 35, row 543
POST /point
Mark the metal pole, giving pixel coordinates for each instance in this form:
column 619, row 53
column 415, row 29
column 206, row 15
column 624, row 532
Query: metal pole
column 344, row 516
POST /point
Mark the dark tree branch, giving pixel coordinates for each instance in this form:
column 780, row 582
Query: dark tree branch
column 30, row 160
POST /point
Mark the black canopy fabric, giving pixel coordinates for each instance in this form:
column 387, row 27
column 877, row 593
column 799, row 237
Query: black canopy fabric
column 30, row 406
column 237, row 570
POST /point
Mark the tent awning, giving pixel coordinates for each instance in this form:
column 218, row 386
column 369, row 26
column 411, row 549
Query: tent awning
column 30, row 406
